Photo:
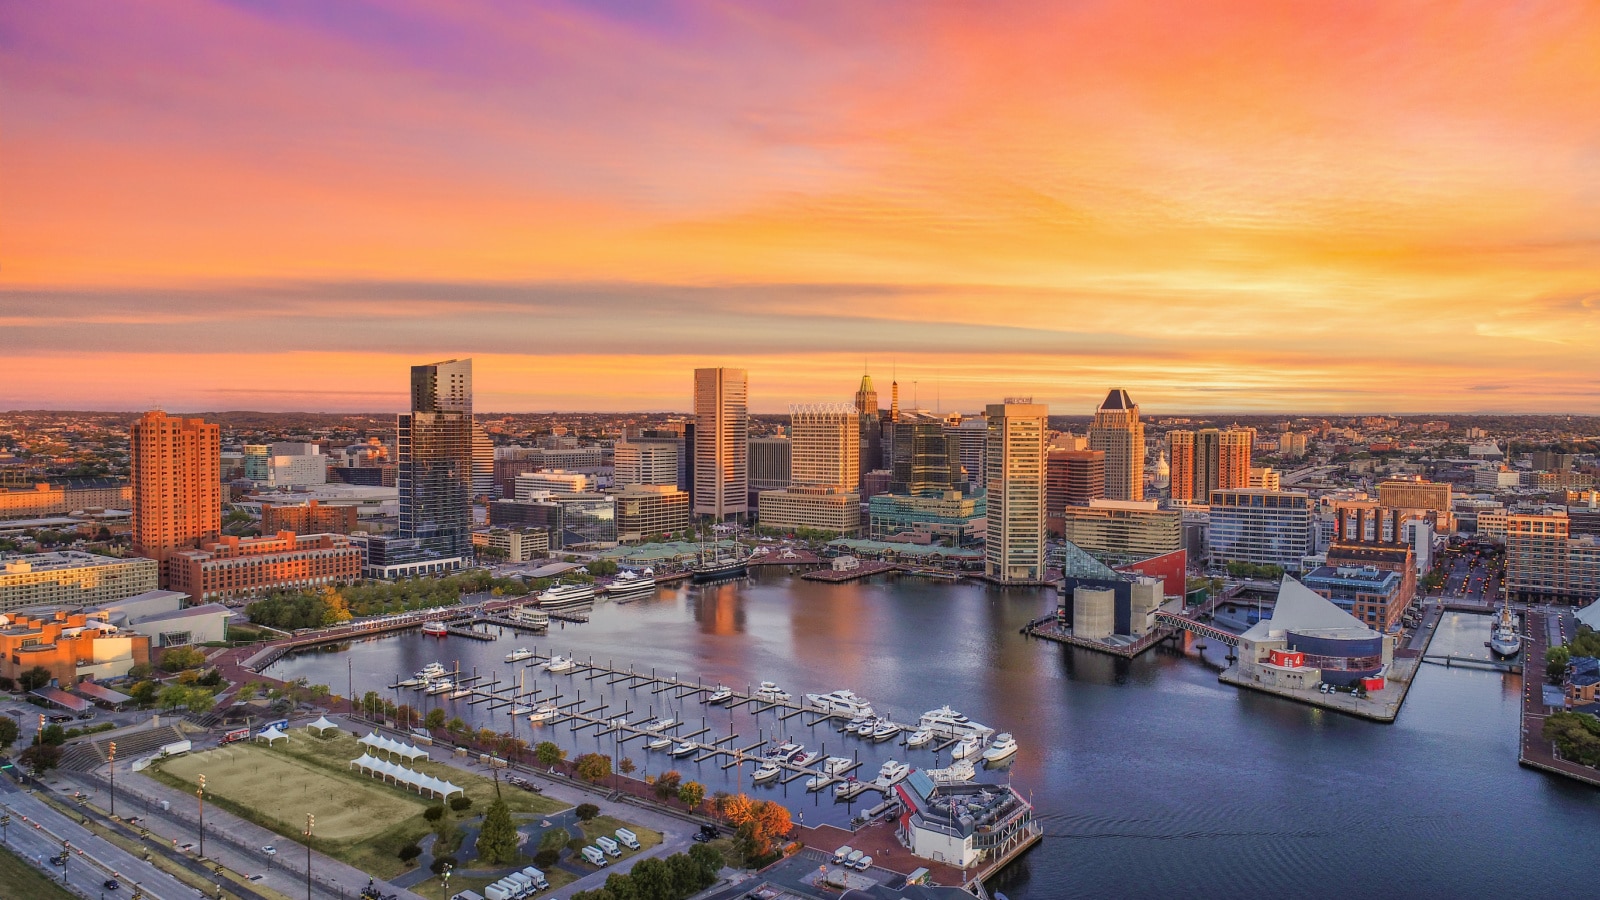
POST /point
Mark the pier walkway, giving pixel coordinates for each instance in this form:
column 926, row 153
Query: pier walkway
column 1544, row 626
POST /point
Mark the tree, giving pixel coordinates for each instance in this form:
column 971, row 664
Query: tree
column 651, row 878
column 685, row 874
column 334, row 608
column 320, row 691
column 371, row 703
column 461, row 803
column 667, row 784
column 709, row 861
column 176, row 659
column 144, row 692
column 692, row 793
column 41, row 757
column 548, row 753
column 9, row 732
column 586, row 811
column 199, row 701
column 434, row 813
column 409, row 852
column 497, row 842
column 627, row 766
column 435, row 719
column 455, row 725
column 34, row 678
column 593, row 767
column 1556, row 660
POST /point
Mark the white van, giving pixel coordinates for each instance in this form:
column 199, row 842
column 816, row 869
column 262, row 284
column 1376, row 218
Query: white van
column 524, row 883
column 501, row 890
column 842, row 854
column 467, row 895
column 608, row 845
column 862, row 864
column 594, row 856
column 627, row 839
column 853, row 858
column 539, row 881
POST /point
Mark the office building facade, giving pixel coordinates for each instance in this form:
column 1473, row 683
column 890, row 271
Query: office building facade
column 721, row 443
column 651, row 512
column 824, row 508
column 771, row 463
column 1014, row 535
column 1072, row 478
column 825, row 446
column 1123, row 531
column 1260, row 527
column 176, row 475
column 1118, row 433
column 1545, row 563
column 645, row 462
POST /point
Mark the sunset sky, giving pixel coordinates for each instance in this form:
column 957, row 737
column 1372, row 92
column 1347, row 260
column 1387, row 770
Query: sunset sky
column 1228, row 206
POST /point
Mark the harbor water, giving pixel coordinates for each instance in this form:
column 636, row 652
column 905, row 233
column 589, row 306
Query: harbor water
column 1148, row 775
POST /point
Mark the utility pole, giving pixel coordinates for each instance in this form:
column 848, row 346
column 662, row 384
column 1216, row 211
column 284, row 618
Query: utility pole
column 311, row 822
column 113, row 757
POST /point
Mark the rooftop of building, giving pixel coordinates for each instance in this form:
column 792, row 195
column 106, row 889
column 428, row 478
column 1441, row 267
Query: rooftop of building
column 1117, row 399
column 58, row 560
column 1129, row 505
column 188, row 612
column 862, row 545
column 1369, row 578
column 1304, row 611
column 962, row 808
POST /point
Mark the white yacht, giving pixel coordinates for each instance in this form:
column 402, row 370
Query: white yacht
column 785, row 750
column 520, row 710
column 967, row 746
column 439, row 687
column 1504, row 640
column 808, row 759
column 721, row 694
column 920, row 738
column 543, row 714
column 660, row 743
column 892, row 772
column 561, row 664
column 865, row 728
column 833, row 765
column 566, row 595
column 818, row 782
column 770, row 692
column 631, row 586
column 956, row 773
column 765, row 772
column 460, row 692
column 414, row 681
column 433, row 670
column 884, row 731
column 840, row 702
column 685, row 748
column 949, row 723
column 519, row 654
column 1003, row 748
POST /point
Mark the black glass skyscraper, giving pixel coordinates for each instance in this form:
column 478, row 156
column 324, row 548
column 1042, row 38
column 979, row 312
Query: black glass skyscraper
column 435, row 467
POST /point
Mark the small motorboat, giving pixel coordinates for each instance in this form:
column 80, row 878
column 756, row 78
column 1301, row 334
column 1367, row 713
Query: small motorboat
column 414, row 681
column 722, row 694
column 785, row 750
column 659, row 744
column 437, row 629
column 844, row 787
column 543, row 714
column 685, row 748
column 520, row 710
column 967, row 746
column 439, row 687
column 765, row 772
column 561, row 664
column 818, row 782
column 460, row 692
column 920, row 738
column 807, row 760
column 884, row 731
column 865, row 728
column 519, row 654
column 660, row 724
column 1003, row 748
column 855, row 723
column 833, row 765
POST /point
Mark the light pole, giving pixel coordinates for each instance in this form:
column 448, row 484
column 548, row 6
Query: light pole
column 311, row 822
column 112, row 755
column 200, row 795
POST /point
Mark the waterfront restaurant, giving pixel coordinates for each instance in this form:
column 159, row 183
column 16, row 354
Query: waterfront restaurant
column 962, row 824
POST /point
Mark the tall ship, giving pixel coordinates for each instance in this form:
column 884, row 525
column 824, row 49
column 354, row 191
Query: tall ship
column 563, row 595
column 1505, row 640
column 713, row 566
column 631, row 586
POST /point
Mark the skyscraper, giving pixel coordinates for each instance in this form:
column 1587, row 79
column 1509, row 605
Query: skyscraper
column 482, row 463
column 1180, row 453
column 870, row 453
column 924, row 459
column 1208, row 460
column 1118, row 433
column 1072, row 478
column 1233, row 457
column 1015, row 548
column 721, row 442
column 436, row 465
column 972, row 437
column 825, row 441
column 176, row 471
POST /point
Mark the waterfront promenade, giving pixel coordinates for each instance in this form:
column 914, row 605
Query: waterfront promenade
column 1545, row 627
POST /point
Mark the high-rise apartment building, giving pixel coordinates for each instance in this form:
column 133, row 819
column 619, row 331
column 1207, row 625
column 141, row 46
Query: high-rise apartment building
column 721, row 442
column 1545, row 563
column 1181, row 479
column 176, row 473
column 483, row 484
column 1072, row 478
column 436, row 465
column 1233, row 457
column 1014, row 543
column 1261, row 527
column 1208, row 460
column 825, row 445
column 1118, row 433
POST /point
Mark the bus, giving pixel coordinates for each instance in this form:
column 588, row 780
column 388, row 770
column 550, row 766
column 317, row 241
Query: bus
column 238, row 734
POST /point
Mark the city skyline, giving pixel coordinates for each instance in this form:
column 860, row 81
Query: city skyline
column 1268, row 209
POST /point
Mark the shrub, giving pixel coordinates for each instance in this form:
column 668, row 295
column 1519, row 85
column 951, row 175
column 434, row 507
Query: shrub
column 433, row 813
column 409, row 852
column 546, row 859
column 586, row 811
column 461, row 803
column 577, row 844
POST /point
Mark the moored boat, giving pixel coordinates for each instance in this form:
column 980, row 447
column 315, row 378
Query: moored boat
column 765, row 772
column 630, row 586
column 1003, row 748
column 1504, row 640
column 920, row 738
column 685, row 749
column 892, row 772
column 833, row 765
column 967, row 746
column 840, row 702
column 560, row 664
column 660, row 743
column 770, row 692
column 722, row 694
column 949, row 723
column 543, row 714
column 437, row 629
column 566, row 595
column 519, row 654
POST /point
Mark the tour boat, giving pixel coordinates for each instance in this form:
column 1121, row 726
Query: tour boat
column 437, row 629
column 630, row 586
column 765, row 772
column 818, row 782
column 770, row 692
column 561, row 664
column 722, row 693
column 956, row 773
column 1504, row 639
column 884, row 731
column 920, row 738
column 967, row 746
column 529, row 617
column 949, row 723
column 807, row 759
column 543, row 714
column 566, row 595
column 439, row 687
column 519, row 654
column 892, row 772
column 840, row 702
column 660, row 743
column 685, row 748
column 833, row 765
column 1003, row 748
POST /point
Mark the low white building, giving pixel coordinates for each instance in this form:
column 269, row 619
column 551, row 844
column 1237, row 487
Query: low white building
column 962, row 824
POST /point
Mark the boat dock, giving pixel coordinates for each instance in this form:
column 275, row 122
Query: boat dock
column 840, row 576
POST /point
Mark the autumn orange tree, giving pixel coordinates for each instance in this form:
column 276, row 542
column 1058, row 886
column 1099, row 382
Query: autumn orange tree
column 761, row 824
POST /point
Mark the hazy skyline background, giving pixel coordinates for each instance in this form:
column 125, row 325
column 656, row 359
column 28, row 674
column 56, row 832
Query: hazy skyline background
column 1247, row 207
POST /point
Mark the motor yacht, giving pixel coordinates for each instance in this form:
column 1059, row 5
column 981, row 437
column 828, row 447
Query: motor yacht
column 432, row 670
column 659, row 744
column 439, row 687
column 722, row 694
column 770, row 692
column 685, row 748
column 1003, row 748
column 949, row 723
column 844, row 787
column 833, row 765
column 884, row 730
column 519, row 654
column 630, row 586
column 920, row 738
column 818, row 782
column 807, row 759
column 414, row 681
column 765, row 772
column 561, row 664
column 855, row 724
column 566, row 595
column 543, row 714
column 1504, row 640
column 892, row 772
column 437, row 629
column 967, row 746
column 840, row 702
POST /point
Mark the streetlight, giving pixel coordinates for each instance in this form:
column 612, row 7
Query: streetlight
column 311, row 822
column 200, row 795
column 112, row 755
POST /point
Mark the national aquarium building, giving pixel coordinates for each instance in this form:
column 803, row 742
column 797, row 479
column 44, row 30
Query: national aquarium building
column 1309, row 640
